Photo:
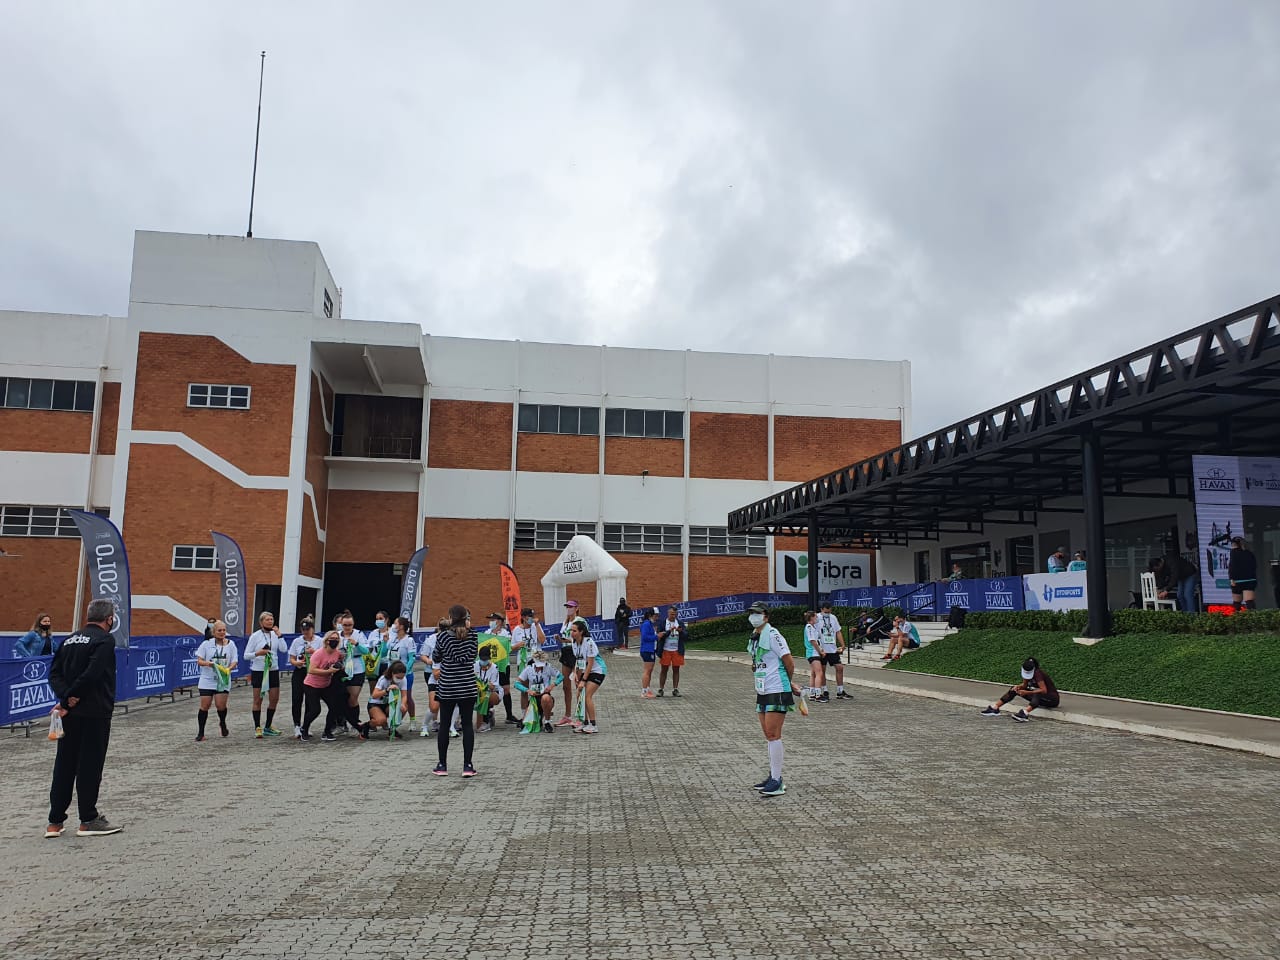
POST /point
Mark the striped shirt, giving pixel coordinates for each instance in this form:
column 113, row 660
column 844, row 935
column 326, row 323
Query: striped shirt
column 456, row 659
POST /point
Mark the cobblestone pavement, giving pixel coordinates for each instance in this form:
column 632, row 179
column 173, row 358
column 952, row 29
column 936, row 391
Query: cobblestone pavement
column 911, row 828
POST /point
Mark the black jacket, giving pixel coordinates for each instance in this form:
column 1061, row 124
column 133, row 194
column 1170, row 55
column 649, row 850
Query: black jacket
column 1242, row 565
column 622, row 614
column 85, row 667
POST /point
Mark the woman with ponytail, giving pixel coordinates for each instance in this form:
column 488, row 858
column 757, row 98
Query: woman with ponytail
column 455, row 656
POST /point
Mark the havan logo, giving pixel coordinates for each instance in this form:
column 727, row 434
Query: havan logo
column 33, row 695
column 998, row 597
column 572, row 564
column 728, row 605
column 1216, row 480
column 151, row 671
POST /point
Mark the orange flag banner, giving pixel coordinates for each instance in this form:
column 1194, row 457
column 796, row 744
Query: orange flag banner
column 510, row 595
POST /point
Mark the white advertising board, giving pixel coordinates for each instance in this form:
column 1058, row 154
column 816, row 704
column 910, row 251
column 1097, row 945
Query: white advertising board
column 836, row 571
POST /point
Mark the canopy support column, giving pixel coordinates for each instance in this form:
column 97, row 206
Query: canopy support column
column 813, row 559
column 1095, row 536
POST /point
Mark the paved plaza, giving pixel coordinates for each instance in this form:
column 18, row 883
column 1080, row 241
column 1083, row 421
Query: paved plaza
column 911, row 828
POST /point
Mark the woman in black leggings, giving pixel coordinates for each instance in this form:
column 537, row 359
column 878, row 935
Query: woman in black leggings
column 455, row 656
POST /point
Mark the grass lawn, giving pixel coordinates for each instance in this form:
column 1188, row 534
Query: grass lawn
column 737, row 642
column 1240, row 673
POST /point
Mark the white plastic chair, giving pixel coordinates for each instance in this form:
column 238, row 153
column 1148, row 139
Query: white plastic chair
column 1150, row 596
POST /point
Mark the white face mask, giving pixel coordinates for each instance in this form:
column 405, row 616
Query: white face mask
column 756, row 619
column 494, row 624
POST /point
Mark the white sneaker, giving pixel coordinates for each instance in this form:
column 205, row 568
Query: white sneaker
column 589, row 728
column 453, row 732
column 425, row 732
column 297, row 733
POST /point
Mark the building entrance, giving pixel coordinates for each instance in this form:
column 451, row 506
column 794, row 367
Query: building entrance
column 362, row 588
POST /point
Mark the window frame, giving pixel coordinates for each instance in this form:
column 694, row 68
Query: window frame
column 644, row 424
column 661, row 538
column 203, row 558
column 550, row 419
column 548, row 535
column 718, row 542
column 20, row 520
column 224, row 393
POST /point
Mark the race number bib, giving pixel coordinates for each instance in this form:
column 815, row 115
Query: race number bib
column 762, row 679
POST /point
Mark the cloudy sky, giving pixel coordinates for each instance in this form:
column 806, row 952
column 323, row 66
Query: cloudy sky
column 1002, row 192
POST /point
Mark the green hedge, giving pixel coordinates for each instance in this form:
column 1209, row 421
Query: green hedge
column 1130, row 621
column 789, row 616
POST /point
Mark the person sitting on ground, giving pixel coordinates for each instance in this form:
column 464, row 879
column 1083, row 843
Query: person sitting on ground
column 903, row 637
column 1036, row 688
column 386, row 702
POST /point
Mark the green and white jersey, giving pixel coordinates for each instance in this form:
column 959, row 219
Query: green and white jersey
column 767, row 650
column 828, row 627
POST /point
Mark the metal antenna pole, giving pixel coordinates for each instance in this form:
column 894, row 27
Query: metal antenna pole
column 257, row 131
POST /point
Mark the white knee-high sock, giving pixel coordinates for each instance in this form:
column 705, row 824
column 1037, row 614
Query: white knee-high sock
column 775, row 759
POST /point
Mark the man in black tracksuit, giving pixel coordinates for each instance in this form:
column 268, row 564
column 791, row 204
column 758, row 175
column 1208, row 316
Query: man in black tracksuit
column 83, row 677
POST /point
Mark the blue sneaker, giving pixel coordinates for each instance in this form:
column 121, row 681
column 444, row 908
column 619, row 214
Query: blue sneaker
column 762, row 784
column 774, row 788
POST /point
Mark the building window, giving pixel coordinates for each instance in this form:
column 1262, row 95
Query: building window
column 657, row 424
column 549, row 534
column 217, row 395
column 328, row 304
column 642, row 538
column 187, row 557
column 550, row 418
column 21, row 393
column 717, row 541
column 22, row 521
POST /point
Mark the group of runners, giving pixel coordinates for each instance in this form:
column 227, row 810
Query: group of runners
column 332, row 670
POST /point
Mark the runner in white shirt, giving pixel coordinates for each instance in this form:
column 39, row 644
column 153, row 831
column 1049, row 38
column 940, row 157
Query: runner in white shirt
column 487, row 674
column 378, row 640
column 670, row 653
column 526, row 638
column 813, row 652
column 380, row 707
column 537, row 681
column 300, row 659
column 591, row 671
column 773, row 668
column 405, row 649
column 352, row 644
column 218, row 659
column 832, row 649
column 265, row 644
column 426, row 657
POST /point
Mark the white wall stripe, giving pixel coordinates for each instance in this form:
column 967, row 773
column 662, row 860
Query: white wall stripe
column 179, row 611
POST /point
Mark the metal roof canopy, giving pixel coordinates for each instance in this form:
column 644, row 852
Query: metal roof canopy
column 1212, row 389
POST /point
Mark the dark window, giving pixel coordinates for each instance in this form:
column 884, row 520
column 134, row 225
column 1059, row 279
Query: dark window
column 654, row 423
column 590, row 425
column 528, row 418
column 220, row 395
column 548, row 419
column 549, row 534
column 614, row 422
column 84, row 395
column 36, row 522
column 328, row 304
column 642, row 538
column 18, row 393
column 64, row 394
column 41, row 397
column 675, row 424
column 634, row 423
column 569, row 419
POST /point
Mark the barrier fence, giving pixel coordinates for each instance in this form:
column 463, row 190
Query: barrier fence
column 159, row 665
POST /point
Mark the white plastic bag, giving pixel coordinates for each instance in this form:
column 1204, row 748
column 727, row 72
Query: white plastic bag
column 55, row 727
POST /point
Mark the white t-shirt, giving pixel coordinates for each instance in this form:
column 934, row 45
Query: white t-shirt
column 538, row 681
column 226, row 655
column 404, row 649
column 767, row 651
column 673, row 638
column 357, row 639
column 259, row 639
column 489, row 676
column 828, row 627
column 299, row 643
column 380, row 689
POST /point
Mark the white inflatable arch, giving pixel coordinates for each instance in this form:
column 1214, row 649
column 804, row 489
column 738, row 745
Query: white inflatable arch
column 583, row 561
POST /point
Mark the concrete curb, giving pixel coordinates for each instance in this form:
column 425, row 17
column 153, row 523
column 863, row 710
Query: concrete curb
column 1063, row 716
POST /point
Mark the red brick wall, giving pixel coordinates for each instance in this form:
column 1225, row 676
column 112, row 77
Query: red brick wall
column 652, row 578
column 38, row 577
column 164, row 484
column 462, row 566
column 367, row 526
column 729, row 445
column 807, row 447
column 553, row 453
column 470, row 435
column 47, row 431
column 530, row 567
column 256, row 440
column 110, row 421
column 630, row 455
column 714, row 576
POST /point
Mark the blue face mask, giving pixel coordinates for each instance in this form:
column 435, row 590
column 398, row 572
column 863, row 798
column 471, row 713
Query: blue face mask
column 484, row 664
column 379, row 624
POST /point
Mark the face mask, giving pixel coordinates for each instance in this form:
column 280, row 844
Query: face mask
column 484, row 664
column 756, row 619
column 379, row 624
column 331, row 644
column 494, row 624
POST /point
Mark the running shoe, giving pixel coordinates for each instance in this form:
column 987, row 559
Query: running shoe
column 660, row 691
column 453, row 733
column 328, row 738
column 484, row 728
column 842, row 695
column 886, row 657
column 565, row 722
column 97, row 828
column 468, row 771
column 304, row 738
column 53, row 831
column 225, row 731
column 775, row 788
column 1021, row 716
column 647, row 695
column 270, row 732
column 257, row 733
column 823, row 697
column 589, row 728
column 362, row 732
column 440, row 770
column 762, row 784
column 675, row 692
column 513, row 720
column 426, row 732
column 297, row 732
column 199, row 738
column 548, row 727
column 990, row 712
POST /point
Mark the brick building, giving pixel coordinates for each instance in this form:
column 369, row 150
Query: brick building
column 235, row 397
